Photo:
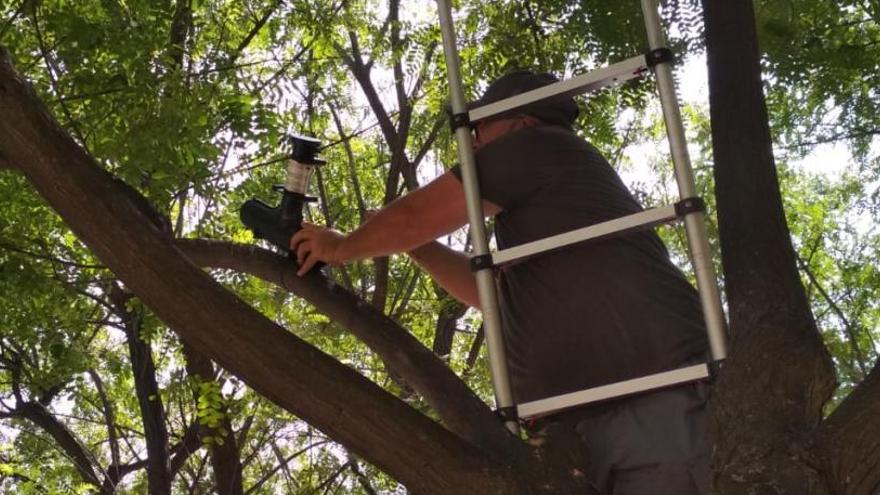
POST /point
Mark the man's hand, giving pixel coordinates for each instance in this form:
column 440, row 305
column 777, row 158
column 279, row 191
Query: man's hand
column 312, row 244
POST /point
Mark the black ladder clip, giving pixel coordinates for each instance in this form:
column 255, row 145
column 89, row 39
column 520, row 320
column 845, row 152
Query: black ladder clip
column 459, row 120
column 689, row 205
column 659, row 56
column 715, row 369
column 507, row 414
column 481, row 262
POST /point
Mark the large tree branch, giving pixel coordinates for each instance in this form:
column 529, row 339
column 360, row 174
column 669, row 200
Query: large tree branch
column 456, row 404
column 273, row 361
column 849, row 440
column 4, row 164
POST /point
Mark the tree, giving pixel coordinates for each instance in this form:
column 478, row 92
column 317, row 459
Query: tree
column 778, row 440
column 224, row 104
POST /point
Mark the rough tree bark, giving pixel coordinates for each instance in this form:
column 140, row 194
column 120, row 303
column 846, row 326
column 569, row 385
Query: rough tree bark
column 768, row 402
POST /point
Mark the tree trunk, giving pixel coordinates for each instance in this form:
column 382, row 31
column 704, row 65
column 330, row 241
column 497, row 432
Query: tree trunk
column 768, row 400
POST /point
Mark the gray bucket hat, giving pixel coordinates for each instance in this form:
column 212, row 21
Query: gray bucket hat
column 559, row 110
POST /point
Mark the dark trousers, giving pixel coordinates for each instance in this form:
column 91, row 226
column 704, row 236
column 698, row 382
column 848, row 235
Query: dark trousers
column 654, row 443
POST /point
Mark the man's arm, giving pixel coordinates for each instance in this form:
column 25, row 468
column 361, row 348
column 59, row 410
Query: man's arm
column 405, row 224
column 449, row 268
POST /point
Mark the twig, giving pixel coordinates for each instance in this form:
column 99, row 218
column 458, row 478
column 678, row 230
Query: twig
column 850, row 331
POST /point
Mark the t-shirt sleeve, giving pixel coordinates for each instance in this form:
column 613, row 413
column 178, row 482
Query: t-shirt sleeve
column 507, row 172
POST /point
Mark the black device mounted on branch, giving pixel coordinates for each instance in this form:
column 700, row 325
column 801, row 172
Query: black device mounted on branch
column 277, row 224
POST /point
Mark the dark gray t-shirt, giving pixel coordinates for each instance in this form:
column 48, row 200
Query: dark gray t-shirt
column 592, row 313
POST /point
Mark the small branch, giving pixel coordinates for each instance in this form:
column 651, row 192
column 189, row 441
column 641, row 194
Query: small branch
column 397, row 311
column 50, row 70
column 834, row 138
column 255, row 30
column 181, row 24
column 331, row 479
column 109, row 417
column 66, row 441
column 429, row 141
column 20, row 250
column 351, row 162
column 858, row 355
column 147, row 391
column 474, row 351
column 15, row 16
column 537, row 33
column 354, row 465
column 266, row 477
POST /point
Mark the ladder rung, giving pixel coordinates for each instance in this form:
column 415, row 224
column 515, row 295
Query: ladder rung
column 619, row 389
column 643, row 219
column 590, row 81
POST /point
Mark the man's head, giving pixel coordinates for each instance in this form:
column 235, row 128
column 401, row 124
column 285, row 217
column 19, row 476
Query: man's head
column 558, row 110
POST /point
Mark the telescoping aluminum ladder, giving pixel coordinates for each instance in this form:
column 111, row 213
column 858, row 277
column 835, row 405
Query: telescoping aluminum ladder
column 689, row 209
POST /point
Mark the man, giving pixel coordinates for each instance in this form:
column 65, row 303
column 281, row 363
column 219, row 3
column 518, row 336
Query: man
column 578, row 317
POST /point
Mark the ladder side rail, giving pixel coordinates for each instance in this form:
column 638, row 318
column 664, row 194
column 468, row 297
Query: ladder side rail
column 694, row 222
column 594, row 80
column 618, row 226
column 485, row 277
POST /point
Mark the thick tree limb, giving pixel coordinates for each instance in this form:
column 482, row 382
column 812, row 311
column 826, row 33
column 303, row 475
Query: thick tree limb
column 849, row 440
column 456, row 404
column 277, row 364
column 779, row 374
column 4, row 164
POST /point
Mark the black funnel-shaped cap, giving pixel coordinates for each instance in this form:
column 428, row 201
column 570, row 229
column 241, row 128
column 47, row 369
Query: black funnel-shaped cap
column 305, row 149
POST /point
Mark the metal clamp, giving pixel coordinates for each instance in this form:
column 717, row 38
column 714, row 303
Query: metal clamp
column 689, row 205
column 507, row 414
column 659, row 56
column 459, row 120
column 481, row 262
column 715, row 368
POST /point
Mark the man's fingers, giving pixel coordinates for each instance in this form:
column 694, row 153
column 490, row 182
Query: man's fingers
column 302, row 234
column 307, row 265
column 302, row 251
column 297, row 238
